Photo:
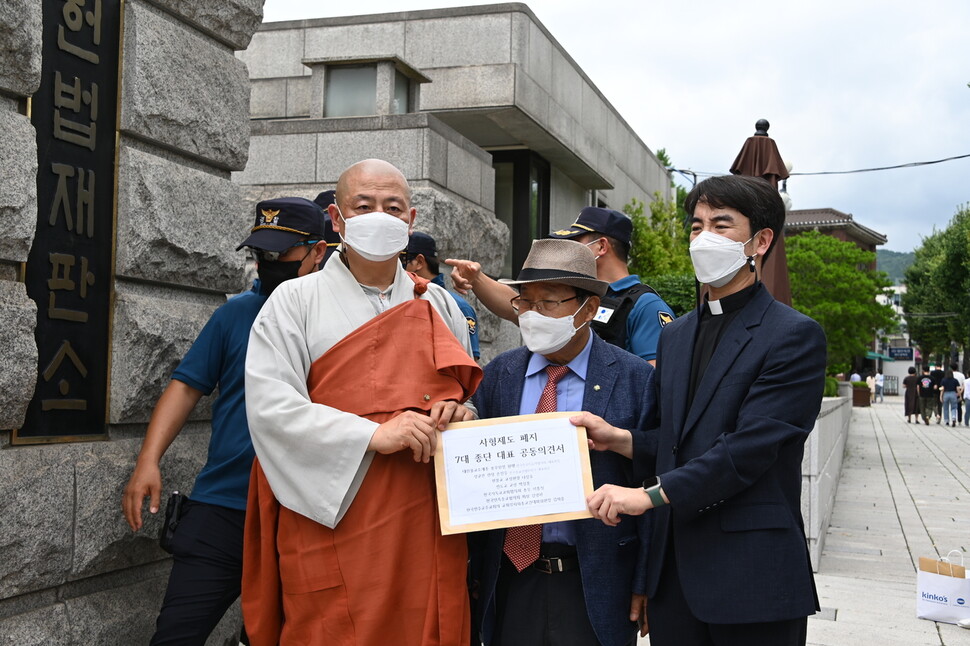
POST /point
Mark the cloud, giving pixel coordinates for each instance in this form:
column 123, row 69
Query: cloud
column 845, row 85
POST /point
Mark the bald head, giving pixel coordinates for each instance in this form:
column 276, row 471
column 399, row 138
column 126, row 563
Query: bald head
column 371, row 185
column 370, row 171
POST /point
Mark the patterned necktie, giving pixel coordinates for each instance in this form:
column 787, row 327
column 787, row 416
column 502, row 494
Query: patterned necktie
column 522, row 543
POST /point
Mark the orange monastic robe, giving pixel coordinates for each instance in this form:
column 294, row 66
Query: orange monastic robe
column 384, row 574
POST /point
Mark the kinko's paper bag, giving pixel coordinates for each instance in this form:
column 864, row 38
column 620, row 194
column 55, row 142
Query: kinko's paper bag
column 942, row 591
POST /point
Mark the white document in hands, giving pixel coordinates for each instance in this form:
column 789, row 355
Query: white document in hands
column 512, row 471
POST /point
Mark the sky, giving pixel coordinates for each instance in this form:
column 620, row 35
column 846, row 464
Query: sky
column 846, row 85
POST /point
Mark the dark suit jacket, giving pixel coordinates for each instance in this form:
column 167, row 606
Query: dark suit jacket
column 731, row 463
column 612, row 560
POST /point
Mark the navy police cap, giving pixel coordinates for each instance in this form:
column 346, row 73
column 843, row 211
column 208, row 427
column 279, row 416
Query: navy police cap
column 283, row 222
column 422, row 243
column 593, row 219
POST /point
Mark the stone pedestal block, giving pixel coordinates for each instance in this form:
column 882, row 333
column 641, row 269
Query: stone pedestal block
column 464, row 231
column 123, row 615
column 20, row 39
column 179, row 225
column 18, row 182
column 18, row 353
column 126, row 615
column 153, row 328
column 461, row 231
column 103, row 541
column 36, row 519
column 183, row 90
column 231, row 21
column 43, row 627
column 496, row 335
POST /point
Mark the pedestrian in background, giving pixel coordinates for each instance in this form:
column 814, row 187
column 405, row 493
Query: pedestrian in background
column 966, row 397
column 950, row 392
column 911, row 395
column 936, row 374
column 959, row 376
column 929, row 394
column 880, row 382
column 871, row 382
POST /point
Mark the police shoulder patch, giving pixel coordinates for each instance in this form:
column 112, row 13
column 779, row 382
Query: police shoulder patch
column 664, row 318
column 472, row 324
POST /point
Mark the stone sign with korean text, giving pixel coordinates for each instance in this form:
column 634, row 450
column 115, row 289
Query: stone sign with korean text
column 69, row 269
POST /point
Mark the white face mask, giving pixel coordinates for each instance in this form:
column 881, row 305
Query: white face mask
column 544, row 334
column 376, row 236
column 717, row 259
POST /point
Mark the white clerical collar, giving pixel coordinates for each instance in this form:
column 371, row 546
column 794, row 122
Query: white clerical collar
column 715, row 307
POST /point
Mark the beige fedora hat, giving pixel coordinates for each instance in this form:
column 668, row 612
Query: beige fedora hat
column 560, row 261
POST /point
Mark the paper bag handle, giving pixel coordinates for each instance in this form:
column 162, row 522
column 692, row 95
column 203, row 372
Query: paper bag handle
column 946, row 559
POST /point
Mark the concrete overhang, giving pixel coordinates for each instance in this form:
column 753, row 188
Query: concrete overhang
column 400, row 64
column 505, row 128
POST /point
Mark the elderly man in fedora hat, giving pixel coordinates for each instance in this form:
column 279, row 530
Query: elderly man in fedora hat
column 575, row 582
column 631, row 314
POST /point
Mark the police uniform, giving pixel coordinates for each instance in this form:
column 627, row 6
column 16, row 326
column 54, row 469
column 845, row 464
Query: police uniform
column 631, row 314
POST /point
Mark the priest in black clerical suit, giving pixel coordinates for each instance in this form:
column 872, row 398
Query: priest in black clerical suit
column 739, row 383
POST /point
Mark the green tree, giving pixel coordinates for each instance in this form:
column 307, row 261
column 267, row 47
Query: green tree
column 660, row 238
column 832, row 283
column 658, row 251
column 924, row 303
column 937, row 301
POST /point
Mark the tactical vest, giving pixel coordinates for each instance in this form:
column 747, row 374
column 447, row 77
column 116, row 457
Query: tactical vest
column 621, row 303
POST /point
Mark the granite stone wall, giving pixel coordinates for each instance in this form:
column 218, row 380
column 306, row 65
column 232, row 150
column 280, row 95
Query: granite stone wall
column 72, row 572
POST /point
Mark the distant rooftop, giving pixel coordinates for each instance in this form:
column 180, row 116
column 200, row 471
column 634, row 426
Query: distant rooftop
column 807, row 219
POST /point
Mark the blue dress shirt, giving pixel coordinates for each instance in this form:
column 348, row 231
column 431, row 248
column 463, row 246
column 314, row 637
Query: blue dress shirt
column 569, row 396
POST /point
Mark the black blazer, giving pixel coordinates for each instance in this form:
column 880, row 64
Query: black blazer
column 612, row 560
column 731, row 463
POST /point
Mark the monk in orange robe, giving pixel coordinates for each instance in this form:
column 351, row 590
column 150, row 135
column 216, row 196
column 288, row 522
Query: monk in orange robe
column 342, row 544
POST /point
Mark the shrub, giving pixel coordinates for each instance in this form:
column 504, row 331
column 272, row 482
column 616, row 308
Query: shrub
column 831, row 387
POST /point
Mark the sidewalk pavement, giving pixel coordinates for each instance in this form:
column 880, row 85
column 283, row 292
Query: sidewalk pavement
column 904, row 493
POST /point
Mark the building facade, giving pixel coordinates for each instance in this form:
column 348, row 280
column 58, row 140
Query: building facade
column 502, row 135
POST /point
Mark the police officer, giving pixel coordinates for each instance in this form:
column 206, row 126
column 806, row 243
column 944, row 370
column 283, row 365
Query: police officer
column 421, row 258
column 631, row 314
column 288, row 240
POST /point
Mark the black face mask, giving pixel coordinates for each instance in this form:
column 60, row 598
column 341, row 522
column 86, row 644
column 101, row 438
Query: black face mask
column 272, row 274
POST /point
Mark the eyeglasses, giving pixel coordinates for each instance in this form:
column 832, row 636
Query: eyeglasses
column 520, row 304
column 273, row 256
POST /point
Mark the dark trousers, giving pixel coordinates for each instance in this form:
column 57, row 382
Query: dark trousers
column 539, row 609
column 928, row 406
column 673, row 624
column 206, row 574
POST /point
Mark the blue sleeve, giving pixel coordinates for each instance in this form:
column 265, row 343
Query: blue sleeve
column 469, row 313
column 643, row 326
column 202, row 364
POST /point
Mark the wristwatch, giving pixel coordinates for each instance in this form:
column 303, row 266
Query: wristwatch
column 652, row 487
